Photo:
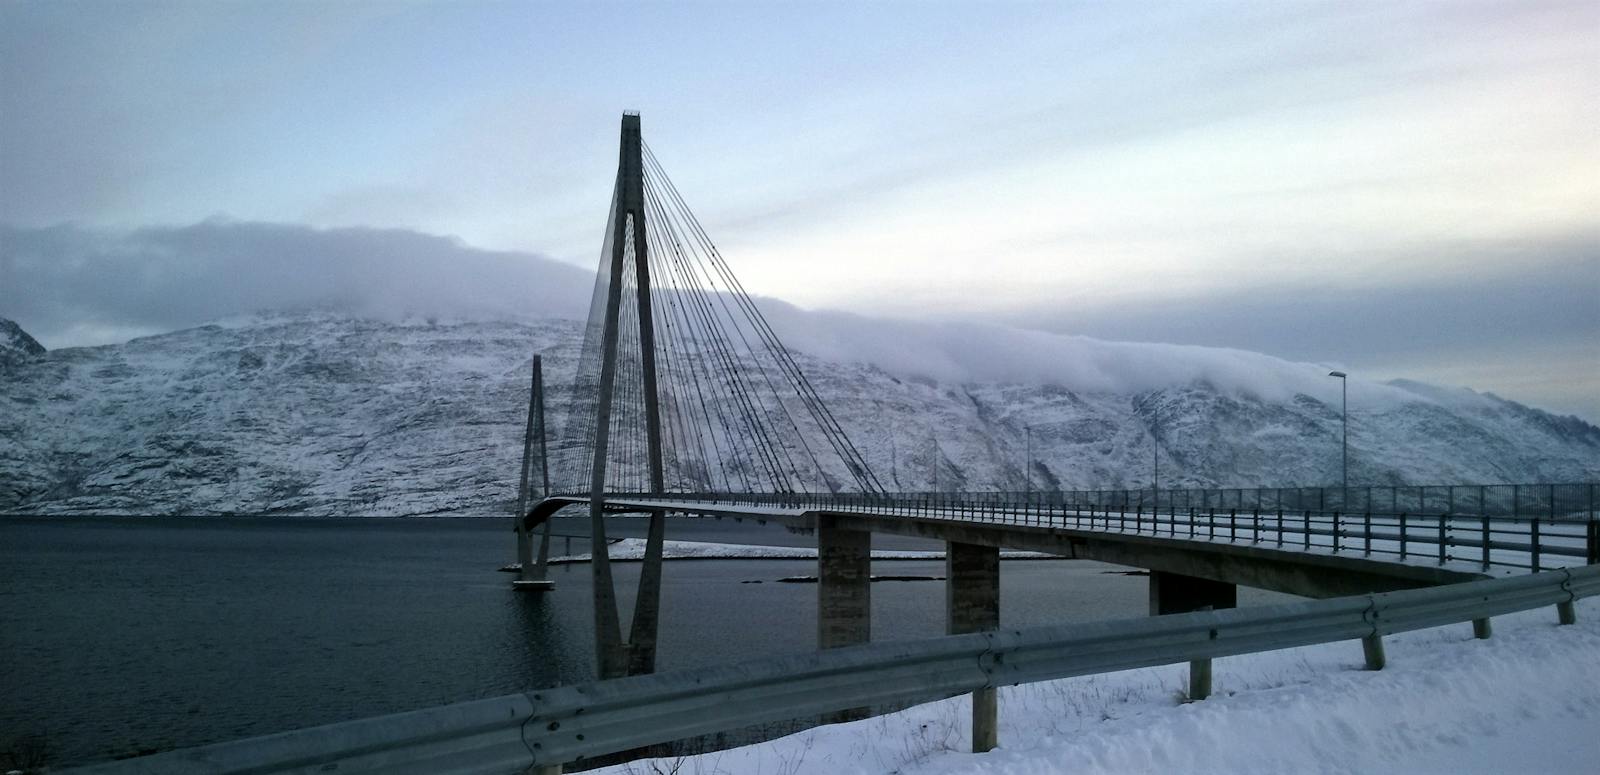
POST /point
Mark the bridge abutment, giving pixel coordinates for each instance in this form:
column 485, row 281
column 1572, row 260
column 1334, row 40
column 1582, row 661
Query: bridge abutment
column 1174, row 593
column 972, row 604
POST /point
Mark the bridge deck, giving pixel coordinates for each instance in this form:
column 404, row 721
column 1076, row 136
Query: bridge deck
column 1256, row 548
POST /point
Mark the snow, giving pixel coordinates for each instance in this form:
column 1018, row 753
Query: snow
column 1527, row 700
column 316, row 413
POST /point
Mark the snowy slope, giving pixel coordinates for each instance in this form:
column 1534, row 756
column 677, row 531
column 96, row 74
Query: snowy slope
column 16, row 344
column 318, row 413
column 1525, row 701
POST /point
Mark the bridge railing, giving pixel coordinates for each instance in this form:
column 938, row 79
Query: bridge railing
column 1527, row 527
column 544, row 729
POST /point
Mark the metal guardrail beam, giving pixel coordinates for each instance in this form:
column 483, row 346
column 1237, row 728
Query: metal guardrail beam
column 568, row 724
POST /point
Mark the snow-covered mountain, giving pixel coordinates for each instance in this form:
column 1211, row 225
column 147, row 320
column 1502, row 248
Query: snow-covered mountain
column 16, row 344
column 327, row 414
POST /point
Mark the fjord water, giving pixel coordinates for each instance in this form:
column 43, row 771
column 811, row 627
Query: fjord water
column 123, row 635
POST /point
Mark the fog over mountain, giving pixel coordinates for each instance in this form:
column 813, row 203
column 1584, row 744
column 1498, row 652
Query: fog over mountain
column 329, row 413
column 268, row 368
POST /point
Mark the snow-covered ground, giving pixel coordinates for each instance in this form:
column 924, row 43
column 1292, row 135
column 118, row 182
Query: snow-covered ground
column 1525, row 701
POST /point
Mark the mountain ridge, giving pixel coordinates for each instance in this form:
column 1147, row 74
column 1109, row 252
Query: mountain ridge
column 327, row 414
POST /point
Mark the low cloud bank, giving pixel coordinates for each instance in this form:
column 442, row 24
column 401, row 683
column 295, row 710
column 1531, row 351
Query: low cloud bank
column 969, row 352
column 73, row 286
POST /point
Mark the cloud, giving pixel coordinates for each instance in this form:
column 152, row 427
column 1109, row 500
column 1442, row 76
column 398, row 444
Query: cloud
column 977, row 352
column 1529, row 336
column 69, row 285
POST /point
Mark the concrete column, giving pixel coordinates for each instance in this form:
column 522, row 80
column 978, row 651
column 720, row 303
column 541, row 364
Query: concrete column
column 844, row 586
column 972, row 604
column 647, row 605
column 532, row 577
column 524, row 552
column 1173, row 593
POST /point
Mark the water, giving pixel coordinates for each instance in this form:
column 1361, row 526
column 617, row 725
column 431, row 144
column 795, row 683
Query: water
column 120, row 636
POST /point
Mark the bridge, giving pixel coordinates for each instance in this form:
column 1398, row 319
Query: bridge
column 686, row 402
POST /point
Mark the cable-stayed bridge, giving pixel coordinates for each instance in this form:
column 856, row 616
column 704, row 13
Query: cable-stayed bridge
column 687, row 401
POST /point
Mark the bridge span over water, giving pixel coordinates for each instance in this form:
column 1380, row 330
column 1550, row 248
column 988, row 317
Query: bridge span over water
column 686, row 402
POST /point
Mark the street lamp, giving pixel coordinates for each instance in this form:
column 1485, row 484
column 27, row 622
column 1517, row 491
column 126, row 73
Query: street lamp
column 1029, row 472
column 1155, row 452
column 1344, row 419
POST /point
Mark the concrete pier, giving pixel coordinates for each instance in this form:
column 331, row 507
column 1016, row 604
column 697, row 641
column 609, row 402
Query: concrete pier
column 1172, row 593
column 972, row 604
column 844, row 586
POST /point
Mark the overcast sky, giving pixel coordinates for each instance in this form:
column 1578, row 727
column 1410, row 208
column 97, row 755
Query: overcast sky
column 1403, row 189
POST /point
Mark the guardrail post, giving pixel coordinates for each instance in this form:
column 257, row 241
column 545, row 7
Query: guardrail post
column 1372, row 649
column 1200, row 675
column 1402, row 535
column 972, row 604
column 1173, row 593
column 1594, row 542
column 1444, row 538
column 1533, row 527
column 1565, row 613
column 1485, row 532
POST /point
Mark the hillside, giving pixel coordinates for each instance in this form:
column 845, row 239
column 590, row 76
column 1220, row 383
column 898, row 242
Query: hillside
column 326, row 414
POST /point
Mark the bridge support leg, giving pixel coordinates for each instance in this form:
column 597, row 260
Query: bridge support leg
column 647, row 605
column 1174, row 593
column 972, row 604
column 844, row 595
column 1372, row 649
column 1482, row 629
column 533, row 576
column 844, row 586
column 1566, row 614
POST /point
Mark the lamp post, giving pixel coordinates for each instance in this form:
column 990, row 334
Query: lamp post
column 1344, row 419
column 1155, row 452
column 1029, row 471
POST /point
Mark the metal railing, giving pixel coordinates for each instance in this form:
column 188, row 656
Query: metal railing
column 545, row 729
column 1524, row 527
column 1517, row 501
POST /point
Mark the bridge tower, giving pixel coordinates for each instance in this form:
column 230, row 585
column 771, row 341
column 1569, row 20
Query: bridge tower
column 614, row 657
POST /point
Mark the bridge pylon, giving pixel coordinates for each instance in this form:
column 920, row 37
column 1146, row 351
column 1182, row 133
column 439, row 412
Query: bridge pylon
column 629, row 250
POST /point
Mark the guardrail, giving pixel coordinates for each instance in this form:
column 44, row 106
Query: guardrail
column 546, row 729
column 1530, row 542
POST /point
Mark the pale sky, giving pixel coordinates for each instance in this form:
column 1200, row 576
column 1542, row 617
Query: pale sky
column 1404, row 189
